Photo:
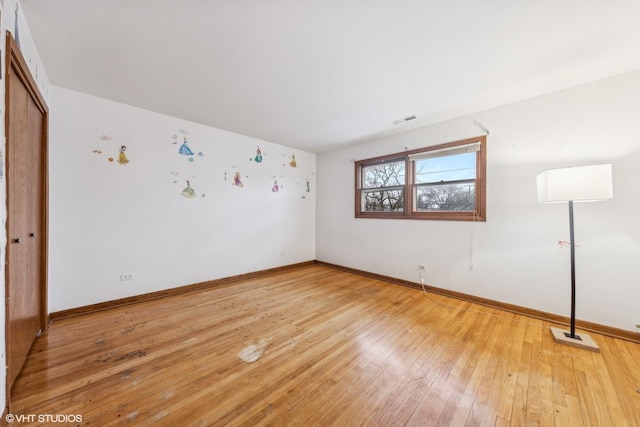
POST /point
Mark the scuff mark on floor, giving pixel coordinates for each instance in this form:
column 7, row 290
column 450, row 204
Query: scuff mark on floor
column 138, row 380
column 253, row 352
column 127, row 374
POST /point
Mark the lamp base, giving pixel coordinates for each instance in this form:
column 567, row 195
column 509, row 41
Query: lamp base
column 581, row 340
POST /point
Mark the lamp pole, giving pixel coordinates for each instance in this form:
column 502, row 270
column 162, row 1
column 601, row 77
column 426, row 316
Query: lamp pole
column 573, row 272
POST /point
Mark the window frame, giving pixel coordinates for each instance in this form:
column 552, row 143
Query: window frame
column 410, row 187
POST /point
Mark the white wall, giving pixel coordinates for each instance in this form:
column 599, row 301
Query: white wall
column 108, row 219
column 514, row 257
column 10, row 9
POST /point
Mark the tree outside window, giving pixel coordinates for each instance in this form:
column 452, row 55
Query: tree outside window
column 384, row 187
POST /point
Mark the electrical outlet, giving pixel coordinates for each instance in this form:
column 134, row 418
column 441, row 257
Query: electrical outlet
column 125, row 277
column 421, row 267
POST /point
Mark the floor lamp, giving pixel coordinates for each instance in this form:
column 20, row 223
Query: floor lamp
column 574, row 184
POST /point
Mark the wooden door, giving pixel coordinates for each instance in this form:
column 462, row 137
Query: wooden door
column 25, row 287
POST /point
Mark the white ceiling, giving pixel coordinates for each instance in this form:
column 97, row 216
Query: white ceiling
column 317, row 75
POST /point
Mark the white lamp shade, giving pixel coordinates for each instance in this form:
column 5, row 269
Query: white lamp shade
column 579, row 184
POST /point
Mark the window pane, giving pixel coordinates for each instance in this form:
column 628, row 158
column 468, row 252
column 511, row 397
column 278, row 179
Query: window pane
column 383, row 201
column 447, row 168
column 446, row 197
column 383, row 175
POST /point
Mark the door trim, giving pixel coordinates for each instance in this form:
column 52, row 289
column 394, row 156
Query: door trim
column 16, row 67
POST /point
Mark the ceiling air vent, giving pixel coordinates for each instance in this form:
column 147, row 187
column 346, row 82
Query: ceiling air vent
column 404, row 119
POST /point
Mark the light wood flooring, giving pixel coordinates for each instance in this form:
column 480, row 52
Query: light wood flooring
column 337, row 349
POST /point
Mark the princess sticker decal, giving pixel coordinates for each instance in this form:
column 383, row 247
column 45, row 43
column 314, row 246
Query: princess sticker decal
column 188, row 192
column 293, row 163
column 275, row 187
column 258, row 157
column 122, row 158
column 237, row 181
column 184, row 148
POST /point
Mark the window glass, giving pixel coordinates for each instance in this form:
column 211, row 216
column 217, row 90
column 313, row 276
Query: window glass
column 446, row 197
column 383, row 175
column 446, row 168
column 383, row 200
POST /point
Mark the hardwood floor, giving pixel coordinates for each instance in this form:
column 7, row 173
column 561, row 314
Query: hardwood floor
column 338, row 349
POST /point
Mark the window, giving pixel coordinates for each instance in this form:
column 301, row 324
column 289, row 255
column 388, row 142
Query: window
column 445, row 182
column 383, row 186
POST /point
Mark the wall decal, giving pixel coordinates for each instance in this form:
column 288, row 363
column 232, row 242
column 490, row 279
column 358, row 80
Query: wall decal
column 308, row 189
column 184, row 148
column 293, row 163
column 104, row 137
column 188, row 192
column 258, row 157
column 275, row 187
column 237, row 181
column 110, row 159
column 563, row 243
column 122, row 158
